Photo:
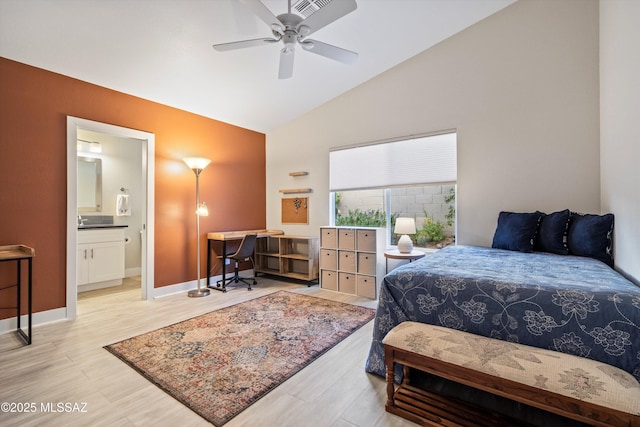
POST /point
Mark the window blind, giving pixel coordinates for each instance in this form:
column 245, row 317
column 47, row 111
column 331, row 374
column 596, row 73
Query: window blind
column 423, row 160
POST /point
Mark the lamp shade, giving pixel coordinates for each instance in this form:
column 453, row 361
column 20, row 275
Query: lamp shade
column 405, row 226
column 202, row 209
column 197, row 162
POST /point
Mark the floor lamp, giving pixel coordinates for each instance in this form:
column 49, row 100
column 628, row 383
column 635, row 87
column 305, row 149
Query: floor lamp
column 197, row 165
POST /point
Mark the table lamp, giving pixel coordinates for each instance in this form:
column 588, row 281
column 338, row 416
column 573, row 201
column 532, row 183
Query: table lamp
column 405, row 226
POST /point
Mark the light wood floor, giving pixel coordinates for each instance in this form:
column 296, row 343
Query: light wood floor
column 66, row 363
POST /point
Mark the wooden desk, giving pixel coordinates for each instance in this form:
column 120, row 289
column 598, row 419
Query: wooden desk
column 224, row 236
column 18, row 253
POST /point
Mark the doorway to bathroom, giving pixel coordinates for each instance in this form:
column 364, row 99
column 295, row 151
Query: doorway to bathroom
column 129, row 175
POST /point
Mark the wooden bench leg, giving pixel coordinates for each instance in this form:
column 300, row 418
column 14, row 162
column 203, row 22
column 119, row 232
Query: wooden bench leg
column 389, row 361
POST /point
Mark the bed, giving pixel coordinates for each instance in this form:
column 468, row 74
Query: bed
column 571, row 304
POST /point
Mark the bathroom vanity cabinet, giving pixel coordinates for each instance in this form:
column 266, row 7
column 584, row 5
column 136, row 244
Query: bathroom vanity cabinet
column 100, row 262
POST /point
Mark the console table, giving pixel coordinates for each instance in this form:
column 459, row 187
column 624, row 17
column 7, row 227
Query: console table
column 19, row 253
column 224, row 237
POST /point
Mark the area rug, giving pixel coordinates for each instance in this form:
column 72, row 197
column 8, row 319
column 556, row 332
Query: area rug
column 221, row 362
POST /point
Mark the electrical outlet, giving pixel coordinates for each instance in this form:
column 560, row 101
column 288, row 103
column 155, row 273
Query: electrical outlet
column 227, row 261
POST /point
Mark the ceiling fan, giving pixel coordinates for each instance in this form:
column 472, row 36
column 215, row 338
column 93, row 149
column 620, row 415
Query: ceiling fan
column 293, row 29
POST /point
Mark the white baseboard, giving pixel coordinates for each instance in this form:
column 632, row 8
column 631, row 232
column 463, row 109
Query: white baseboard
column 99, row 285
column 133, row 272
column 55, row 315
column 58, row 314
column 176, row 289
column 185, row 286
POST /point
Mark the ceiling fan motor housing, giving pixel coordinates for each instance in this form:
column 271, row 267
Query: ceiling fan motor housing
column 290, row 34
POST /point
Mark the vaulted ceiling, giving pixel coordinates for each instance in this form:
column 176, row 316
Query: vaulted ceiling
column 161, row 50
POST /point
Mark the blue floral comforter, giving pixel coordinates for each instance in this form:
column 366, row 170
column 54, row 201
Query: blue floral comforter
column 569, row 304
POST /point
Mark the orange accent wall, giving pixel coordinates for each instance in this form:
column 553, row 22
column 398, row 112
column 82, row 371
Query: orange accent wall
column 34, row 104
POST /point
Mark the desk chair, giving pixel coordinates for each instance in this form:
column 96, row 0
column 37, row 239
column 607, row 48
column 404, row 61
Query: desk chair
column 244, row 252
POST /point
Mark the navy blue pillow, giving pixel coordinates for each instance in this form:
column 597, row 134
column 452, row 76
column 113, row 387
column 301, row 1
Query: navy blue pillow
column 591, row 236
column 552, row 235
column 516, row 231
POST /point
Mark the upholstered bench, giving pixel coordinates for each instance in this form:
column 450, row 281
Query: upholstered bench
column 574, row 387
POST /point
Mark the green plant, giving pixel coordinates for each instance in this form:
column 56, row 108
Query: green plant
column 368, row 218
column 337, row 201
column 431, row 231
column 451, row 213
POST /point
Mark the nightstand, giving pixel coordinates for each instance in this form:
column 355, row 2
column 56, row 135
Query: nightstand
column 396, row 254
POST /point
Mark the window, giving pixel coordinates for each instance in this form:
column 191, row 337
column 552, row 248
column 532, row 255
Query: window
column 372, row 185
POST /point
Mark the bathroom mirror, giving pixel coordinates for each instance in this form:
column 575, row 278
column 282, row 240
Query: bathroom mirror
column 89, row 184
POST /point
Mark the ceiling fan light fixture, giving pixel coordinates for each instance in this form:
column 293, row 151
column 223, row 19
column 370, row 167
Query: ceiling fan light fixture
column 304, row 31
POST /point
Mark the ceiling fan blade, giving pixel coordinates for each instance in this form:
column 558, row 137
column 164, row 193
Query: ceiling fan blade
column 334, row 10
column 332, row 52
column 287, row 55
column 222, row 47
column 262, row 12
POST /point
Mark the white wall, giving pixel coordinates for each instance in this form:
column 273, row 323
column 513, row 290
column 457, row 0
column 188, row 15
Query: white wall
column 619, row 128
column 520, row 88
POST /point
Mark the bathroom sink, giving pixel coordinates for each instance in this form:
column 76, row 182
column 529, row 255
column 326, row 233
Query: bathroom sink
column 93, row 226
column 97, row 221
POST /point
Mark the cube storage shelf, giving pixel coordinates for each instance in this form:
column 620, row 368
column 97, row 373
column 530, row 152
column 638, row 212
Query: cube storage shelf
column 294, row 257
column 352, row 259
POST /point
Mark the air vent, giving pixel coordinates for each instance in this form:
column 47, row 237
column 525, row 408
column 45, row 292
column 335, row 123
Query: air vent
column 307, row 7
